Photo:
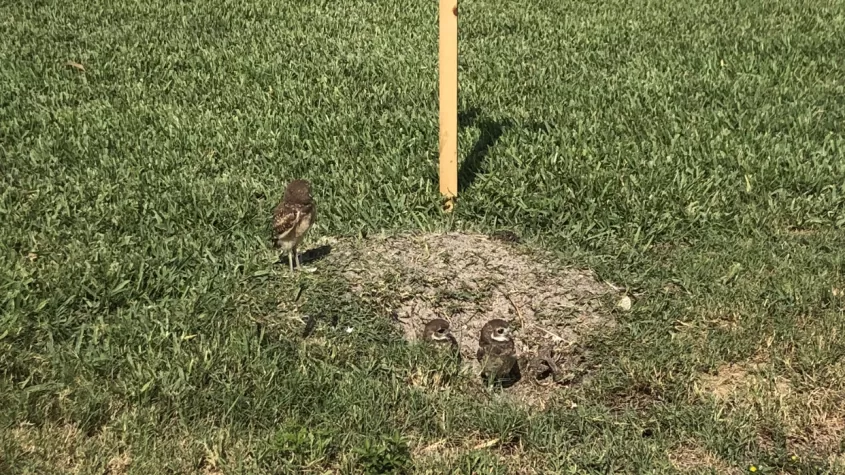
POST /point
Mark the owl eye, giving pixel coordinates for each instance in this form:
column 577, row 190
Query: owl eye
column 500, row 331
column 441, row 330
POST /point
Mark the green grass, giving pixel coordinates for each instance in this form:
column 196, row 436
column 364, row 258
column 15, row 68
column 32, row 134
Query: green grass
column 141, row 315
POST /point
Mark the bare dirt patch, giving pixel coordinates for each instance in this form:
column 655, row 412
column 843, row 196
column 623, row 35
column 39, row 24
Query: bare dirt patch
column 469, row 279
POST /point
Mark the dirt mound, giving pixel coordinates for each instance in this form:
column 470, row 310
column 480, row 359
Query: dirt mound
column 469, row 279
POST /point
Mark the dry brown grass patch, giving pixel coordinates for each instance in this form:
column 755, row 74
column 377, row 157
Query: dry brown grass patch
column 728, row 380
column 816, row 422
column 813, row 418
column 62, row 453
column 691, row 457
column 444, row 452
column 119, row 464
column 66, row 449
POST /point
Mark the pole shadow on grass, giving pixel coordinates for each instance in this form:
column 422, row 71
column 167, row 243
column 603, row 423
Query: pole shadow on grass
column 491, row 132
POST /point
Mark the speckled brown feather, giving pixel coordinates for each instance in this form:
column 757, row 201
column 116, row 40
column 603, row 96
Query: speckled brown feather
column 497, row 357
column 287, row 217
column 294, row 215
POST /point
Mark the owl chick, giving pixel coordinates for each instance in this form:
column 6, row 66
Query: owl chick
column 439, row 333
column 293, row 217
column 496, row 351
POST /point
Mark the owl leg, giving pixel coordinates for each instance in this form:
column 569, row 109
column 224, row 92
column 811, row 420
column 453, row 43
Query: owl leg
column 290, row 259
column 296, row 253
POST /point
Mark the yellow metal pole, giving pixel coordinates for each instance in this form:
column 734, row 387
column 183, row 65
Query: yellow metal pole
column 449, row 101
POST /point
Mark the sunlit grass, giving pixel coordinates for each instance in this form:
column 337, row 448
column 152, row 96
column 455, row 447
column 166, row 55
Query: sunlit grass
column 691, row 153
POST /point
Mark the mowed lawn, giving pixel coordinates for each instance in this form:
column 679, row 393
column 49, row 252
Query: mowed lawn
column 692, row 153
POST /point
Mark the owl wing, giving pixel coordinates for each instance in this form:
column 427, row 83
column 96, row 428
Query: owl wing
column 501, row 358
column 502, row 349
column 479, row 355
column 285, row 219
